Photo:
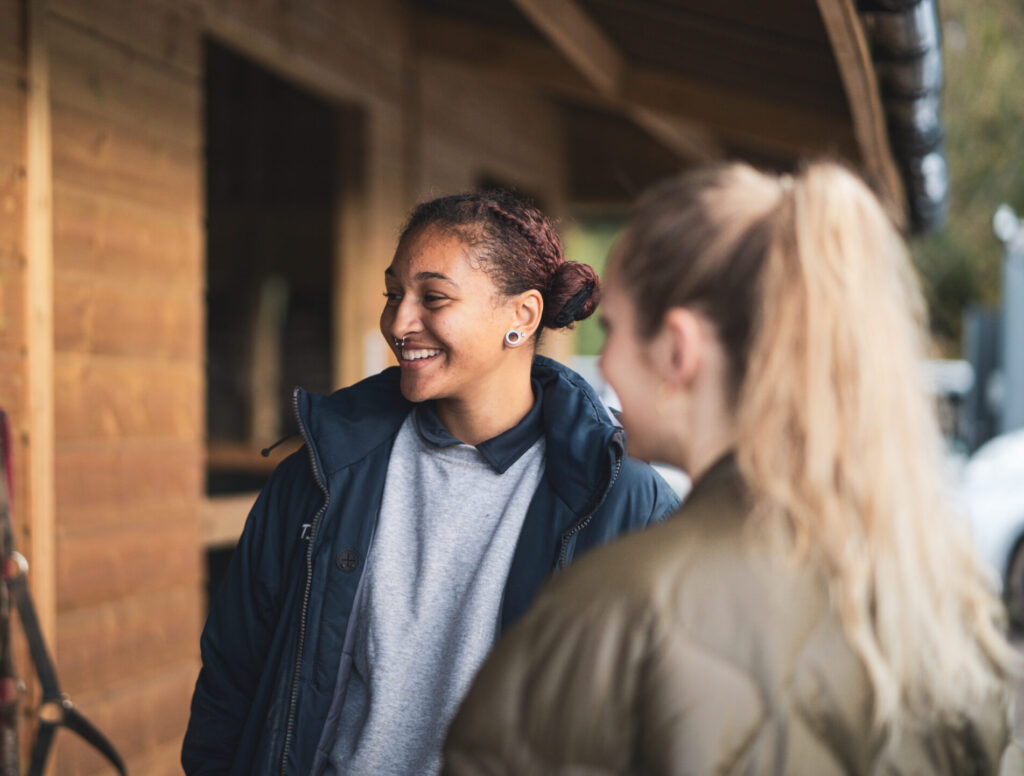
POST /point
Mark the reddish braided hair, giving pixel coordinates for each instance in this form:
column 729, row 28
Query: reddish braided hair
column 518, row 248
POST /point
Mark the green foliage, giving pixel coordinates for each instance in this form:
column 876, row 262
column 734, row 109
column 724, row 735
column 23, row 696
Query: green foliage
column 589, row 241
column 984, row 119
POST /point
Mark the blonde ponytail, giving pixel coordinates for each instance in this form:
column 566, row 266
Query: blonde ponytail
column 815, row 299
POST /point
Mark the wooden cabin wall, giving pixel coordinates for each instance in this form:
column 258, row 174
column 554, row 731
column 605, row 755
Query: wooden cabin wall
column 128, row 278
column 126, row 122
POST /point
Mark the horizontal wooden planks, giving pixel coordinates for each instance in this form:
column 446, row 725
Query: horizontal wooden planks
column 124, row 477
column 12, row 305
column 12, row 120
column 120, row 640
column 99, row 398
column 12, row 208
column 165, row 32
column 95, row 316
column 96, row 234
column 102, row 566
column 139, row 716
column 13, row 399
column 12, row 38
column 108, row 158
column 162, row 760
column 91, row 75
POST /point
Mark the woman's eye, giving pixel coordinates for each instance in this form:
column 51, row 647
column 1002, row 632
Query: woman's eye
column 433, row 298
column 392, row 297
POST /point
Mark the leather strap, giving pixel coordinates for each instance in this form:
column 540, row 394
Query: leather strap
column 56, row 709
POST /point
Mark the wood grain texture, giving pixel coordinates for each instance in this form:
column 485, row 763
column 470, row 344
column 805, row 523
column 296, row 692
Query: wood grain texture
column 99, row 78
column 12, row 120
column 853, row 55
column 12, row 208
column 114, row 398
column 96, row 316
column 127, row 477
column 96, row 234
column 113, row 642
column 39, row 321
column 12, row 39
column 12, row 305
column 580, row 39
column 107, row 158
column 166, row 33
column 142, row 717
column 104, row 566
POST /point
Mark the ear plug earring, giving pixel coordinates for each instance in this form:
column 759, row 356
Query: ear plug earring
column 513, row 338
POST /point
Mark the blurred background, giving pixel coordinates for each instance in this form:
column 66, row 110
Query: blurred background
column 198, row 199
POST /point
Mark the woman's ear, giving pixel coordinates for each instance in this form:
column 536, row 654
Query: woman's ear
column 680, row 347
column 528, row 309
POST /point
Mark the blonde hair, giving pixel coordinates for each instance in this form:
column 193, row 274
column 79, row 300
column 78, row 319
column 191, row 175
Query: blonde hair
column 816, row 303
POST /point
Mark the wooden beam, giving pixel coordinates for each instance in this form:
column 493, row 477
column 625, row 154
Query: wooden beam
column 744, row 119
column 582, row 41
column 853, row 55
column 686, row 139
column 571, row 30
column 39, row 323
column 747, row 117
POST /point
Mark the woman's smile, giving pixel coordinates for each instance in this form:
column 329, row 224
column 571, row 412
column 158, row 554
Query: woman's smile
column 417, row 358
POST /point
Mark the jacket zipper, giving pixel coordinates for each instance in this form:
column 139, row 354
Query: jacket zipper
column 293, row 701
column 579, row 525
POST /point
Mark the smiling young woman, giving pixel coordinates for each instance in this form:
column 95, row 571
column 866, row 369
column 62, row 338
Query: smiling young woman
column 431, row 501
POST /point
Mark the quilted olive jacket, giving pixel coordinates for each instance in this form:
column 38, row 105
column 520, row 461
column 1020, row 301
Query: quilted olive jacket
column 683, row 650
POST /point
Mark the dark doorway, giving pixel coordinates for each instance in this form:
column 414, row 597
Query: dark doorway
column 271, row 169
column 271, row 241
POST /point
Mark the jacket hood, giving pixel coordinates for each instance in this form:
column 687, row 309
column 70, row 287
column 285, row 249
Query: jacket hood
column 344, row 427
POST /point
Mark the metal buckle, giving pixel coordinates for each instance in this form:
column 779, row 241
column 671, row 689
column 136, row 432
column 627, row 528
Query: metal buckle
column 53, row 712
column 15, row 566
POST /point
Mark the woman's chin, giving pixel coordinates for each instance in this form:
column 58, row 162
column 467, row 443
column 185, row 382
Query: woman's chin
column 416, row 390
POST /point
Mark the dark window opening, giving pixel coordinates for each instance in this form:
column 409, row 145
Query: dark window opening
column 271, row 169
column 272, row 173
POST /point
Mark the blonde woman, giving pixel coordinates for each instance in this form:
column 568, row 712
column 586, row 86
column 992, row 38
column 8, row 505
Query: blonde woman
column 814, row 607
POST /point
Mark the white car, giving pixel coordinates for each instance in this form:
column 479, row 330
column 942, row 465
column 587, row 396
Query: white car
column 993, row 493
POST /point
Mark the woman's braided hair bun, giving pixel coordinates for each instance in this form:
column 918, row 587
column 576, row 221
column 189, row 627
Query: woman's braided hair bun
column 573, row 294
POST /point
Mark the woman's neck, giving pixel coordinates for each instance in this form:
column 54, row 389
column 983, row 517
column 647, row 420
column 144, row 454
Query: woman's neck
column 476, row 420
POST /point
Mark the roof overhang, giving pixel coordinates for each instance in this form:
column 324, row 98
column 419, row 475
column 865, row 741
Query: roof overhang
column 652, row 86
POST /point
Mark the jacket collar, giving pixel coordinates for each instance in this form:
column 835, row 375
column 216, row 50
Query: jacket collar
column 346, row 426
column 501, row 451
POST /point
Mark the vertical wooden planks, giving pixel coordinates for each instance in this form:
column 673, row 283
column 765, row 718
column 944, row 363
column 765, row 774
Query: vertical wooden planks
column 39, row 328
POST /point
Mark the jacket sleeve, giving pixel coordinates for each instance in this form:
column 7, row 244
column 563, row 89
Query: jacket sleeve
column 643, row 494
column 241, row 622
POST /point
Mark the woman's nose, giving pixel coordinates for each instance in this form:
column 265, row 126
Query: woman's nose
column 406, row 318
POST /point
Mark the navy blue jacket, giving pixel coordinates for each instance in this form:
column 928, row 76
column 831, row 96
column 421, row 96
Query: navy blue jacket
column 272, row 645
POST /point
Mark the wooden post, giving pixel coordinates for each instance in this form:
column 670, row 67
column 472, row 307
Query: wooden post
column 39, row 325
column 853, row 56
